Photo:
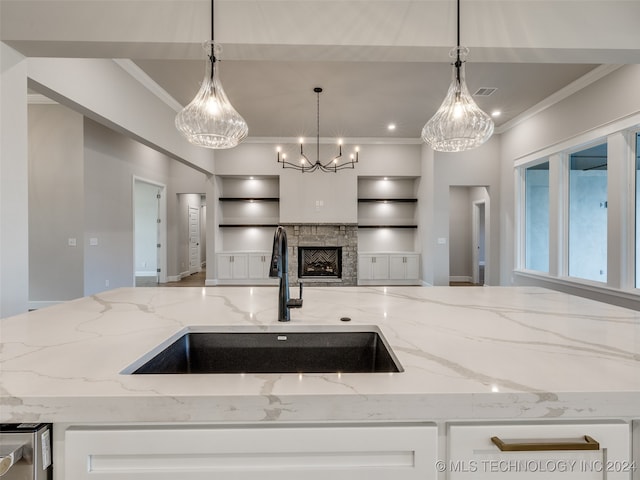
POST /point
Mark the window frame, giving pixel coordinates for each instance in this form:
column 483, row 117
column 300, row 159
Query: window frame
column 622, row 233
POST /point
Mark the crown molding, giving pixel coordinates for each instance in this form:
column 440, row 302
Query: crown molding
column 575, row 86
column 138, row 74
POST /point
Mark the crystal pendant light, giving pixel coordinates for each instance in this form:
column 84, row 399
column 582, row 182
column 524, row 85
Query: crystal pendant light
column 210, row 120
column 459, row 124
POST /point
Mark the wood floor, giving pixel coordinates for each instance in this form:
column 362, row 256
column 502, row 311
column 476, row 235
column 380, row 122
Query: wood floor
column 195, row 280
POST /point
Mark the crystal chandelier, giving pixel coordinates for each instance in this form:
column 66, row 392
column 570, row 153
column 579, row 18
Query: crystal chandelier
column 459, row 124
column 210, row 120
column 306, row 165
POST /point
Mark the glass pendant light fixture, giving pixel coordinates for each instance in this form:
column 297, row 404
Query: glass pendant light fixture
column 210, row 120
column 459, row 124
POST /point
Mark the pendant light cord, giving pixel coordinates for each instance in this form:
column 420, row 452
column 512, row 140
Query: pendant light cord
column 318, row 90
column 458, row 63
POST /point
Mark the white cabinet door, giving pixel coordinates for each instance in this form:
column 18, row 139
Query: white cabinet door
column 397, row 269
column 404, row 267
column 331, row 452
column 225, row 267
column 365, row 269
column 412, row 266
column 259, row 265
column 474, row 456
column 232, row 266
column 380, row 267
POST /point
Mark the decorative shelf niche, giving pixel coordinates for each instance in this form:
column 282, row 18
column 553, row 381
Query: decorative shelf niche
column 248, row 213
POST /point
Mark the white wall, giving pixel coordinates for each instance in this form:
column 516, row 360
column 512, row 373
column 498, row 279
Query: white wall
column 56, row 204
column 14, row 228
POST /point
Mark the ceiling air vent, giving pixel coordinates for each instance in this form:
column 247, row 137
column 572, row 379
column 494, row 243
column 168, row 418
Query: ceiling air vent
column 484, row 91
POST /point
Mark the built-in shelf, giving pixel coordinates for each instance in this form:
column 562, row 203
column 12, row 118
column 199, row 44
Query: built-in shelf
column 245, row 199
column 247, row 225
column 387, row 226
column 387, row 200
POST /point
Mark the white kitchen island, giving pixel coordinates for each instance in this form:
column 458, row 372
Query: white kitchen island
column 472, row 357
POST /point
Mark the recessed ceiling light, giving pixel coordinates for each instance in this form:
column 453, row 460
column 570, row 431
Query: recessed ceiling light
column 391, row 126
column 496, row 113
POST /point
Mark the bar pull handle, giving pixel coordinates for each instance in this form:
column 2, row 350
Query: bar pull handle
column 9, row 455
column 584, row 443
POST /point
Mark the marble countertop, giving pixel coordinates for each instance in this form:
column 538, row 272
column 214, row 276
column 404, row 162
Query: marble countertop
column 468, row 353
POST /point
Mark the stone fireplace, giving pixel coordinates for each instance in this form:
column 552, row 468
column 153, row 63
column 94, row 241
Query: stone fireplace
column 323, row 254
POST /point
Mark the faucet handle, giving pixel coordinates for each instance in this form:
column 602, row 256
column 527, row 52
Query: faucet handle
column 296, row 302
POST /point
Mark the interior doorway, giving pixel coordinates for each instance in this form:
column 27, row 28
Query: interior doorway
column 469, row 235
column 194, row 240
column 149, row 214
column 479, row 242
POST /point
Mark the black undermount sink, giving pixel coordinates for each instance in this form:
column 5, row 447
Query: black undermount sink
column 277, row 350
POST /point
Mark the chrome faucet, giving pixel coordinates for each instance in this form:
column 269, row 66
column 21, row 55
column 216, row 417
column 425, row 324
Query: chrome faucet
column 280, row 268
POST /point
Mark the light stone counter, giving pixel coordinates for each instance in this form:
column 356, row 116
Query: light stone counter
column 468, row 353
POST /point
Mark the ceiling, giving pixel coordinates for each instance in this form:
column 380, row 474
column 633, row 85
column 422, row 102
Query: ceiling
column 379, row 62
column 359, row 99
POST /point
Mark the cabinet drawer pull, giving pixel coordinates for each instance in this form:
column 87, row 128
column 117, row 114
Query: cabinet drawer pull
column 587, row 443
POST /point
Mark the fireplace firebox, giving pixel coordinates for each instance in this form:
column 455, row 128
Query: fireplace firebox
column 325, row 262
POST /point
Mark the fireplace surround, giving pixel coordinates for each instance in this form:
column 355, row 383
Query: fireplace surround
column 340, row 239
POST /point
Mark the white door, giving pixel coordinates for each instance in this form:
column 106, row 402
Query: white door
column 194, row 240
column 478, row 253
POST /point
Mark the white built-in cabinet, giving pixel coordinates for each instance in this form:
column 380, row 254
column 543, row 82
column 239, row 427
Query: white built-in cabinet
column 585, row 451
column 387, row 231
column 259, row 265
column 352, row 451
column 373, row 267
column 274, row 452
column 404, row 267
column 243, row 267
column 248, row 210
column 386, row 268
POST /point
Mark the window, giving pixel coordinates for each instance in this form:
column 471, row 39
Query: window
column 588, row 214
column 537, row 217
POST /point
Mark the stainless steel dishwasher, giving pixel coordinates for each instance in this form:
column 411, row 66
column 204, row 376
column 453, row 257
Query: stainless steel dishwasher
column 25, row 451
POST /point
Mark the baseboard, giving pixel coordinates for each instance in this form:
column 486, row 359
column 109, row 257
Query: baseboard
column 174, row 278
column 150, row 273
column 460, row 278
column 37, row 305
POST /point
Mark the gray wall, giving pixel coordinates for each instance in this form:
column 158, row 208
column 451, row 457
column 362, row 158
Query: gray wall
column 81, row 177
column 56, row 204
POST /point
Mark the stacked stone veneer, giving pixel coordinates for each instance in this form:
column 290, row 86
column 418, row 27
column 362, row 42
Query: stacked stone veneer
column 324, row 235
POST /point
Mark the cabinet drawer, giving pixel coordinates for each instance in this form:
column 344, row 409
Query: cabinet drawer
column 353, row 452
column 549, row 451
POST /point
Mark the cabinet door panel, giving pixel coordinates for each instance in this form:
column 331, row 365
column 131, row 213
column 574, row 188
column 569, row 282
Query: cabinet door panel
column 472, row 454
column 258, row 266
column 397, row 268
column 380, row 267
column 225, row 272
column 365, row 267
column 412, row 265
column 253, row 453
